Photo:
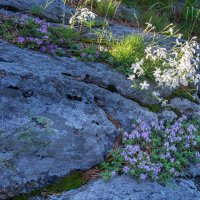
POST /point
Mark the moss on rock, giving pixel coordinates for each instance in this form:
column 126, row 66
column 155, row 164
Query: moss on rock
column 72, row 181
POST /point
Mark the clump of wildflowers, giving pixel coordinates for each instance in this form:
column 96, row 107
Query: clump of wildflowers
column 83, row 16
column 38, row 34
column 172, row 67
column 156, row 151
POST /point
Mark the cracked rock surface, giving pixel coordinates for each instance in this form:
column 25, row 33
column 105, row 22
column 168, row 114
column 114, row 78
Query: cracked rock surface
column 54, row 120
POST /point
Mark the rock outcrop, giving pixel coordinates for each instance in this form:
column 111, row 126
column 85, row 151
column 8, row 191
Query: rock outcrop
column 59, row 114
column 54, row 118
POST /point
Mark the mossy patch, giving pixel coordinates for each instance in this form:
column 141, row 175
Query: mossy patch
column 72, row 181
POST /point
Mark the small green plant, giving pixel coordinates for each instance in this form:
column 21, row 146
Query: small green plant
column 30, row 28
column 125, row 52
column 90, row 53
column 156, row 151
column 63, row 35
column 107, row 8
column 7, row 29
column 36, row 10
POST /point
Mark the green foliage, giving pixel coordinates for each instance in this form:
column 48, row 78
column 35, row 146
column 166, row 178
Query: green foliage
column 186, row 16
column 107, row 8
column 30, row 29
column 7, row 29
column 90, row 53
column 160, row 21
column 74, row 180
column 36, row 10
column 125, row 52
column 155, row 151
column 68, row 35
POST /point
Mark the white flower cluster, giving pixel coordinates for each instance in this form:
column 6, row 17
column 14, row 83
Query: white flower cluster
column 174, row 67
column 82, row 15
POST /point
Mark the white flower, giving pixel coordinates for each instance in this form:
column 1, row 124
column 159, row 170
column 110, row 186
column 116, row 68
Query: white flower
column 144, row 85
column 164, row 103
column 149, row 25
column 157, row 73
column 177, row 66
column 171, row 31
column 156, row 94
column 131, row 77
column 82, row 15
column 137, row 69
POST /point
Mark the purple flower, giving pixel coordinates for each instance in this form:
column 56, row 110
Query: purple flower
column 23, row 19
column 97, row 54
column 134, row 134
column 132, row 149
column 147, row 168
column 43, row 29
column 38, row 21
column 38, row 41
column 166, row 144
column 20, row 39
column 46, row 37
column 197, row 154
column 126, row 169
column 132, row 161
column 143, row 176
column 173, row 148
column 191, row 128
column 167, row 155
column 83, row 55
column 31, row 39
column 89, row 56
column 172, row 170
column 145, row 135
column 43, row 49
column 113, row 173
column 145, row 127
column 52, row 51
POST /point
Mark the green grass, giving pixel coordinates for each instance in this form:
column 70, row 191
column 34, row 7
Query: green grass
column 36, row 10
column 160, row 13
column 106, row 8
column 74, row 180
column 124, row 53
